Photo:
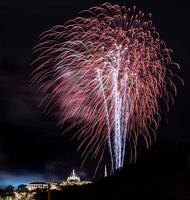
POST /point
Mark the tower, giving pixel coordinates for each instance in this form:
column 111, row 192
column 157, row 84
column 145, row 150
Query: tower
column 105, row 171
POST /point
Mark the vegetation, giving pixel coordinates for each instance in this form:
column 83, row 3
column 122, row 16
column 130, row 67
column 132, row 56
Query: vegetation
column 22, row 193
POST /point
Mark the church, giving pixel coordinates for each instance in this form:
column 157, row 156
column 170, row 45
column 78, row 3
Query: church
column 74, row 179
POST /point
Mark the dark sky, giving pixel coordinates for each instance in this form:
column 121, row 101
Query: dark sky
column 31, row 145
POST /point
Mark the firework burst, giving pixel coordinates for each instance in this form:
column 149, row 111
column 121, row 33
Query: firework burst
column 106, row 71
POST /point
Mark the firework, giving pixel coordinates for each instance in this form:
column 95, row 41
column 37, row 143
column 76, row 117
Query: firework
column 106, row 72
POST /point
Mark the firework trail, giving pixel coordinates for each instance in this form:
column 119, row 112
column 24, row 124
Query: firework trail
column 105, row 71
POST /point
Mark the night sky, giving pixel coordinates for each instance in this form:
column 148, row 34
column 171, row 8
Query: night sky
column 32, row 147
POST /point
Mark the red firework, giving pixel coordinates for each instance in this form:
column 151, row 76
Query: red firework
column 107, row 72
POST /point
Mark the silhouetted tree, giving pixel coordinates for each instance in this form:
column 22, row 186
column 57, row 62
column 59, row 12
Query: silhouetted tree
column 22, row 188
column 2, row 193
column 9, row 191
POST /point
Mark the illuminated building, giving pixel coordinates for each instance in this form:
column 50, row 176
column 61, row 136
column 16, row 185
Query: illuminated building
column 37, row 185
column 74, row 179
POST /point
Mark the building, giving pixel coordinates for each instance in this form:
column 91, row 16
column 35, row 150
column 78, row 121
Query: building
column 37, row 185
column 74, row 179
column 55, row 185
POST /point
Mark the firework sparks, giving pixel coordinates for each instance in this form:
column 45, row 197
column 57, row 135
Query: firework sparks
column 107, row 72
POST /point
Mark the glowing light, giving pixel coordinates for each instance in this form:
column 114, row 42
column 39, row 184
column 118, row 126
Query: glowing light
column 107, row 72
